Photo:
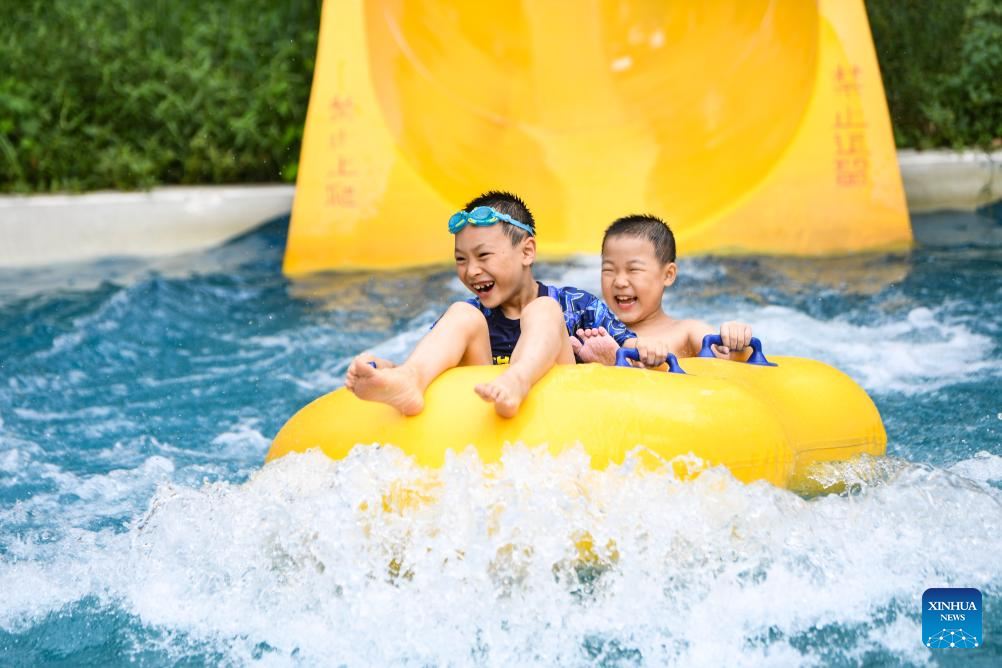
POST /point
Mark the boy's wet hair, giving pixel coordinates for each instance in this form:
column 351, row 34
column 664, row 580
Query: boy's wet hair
column 508, row 204
column 645, row 226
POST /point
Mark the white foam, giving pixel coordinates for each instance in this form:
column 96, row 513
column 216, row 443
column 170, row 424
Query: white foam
column 479, row 562
column 915, row 355
column 983, row 467
column 12, row 460
column 102, row 320
column 16, row 454
column 77, row 500
column 584, row 272
column 90, row 412
column 33, row 588
column 241, row 438
column 330, row 374
column 397, row 348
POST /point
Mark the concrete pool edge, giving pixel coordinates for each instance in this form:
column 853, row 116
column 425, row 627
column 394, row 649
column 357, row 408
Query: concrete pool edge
column 38, row 230
column 950, row 180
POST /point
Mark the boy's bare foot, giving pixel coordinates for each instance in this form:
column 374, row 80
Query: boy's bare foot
column 396, row 386
column 598, row 346
column 506, row 392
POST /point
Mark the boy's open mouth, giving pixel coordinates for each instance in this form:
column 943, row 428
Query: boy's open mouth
column 483, row 288
column 626, row 302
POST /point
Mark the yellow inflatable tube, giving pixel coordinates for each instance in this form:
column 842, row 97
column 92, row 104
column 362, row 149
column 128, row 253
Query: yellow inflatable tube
column 769, row 423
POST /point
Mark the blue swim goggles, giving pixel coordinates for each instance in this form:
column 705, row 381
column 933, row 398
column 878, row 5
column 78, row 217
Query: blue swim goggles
column 483, row 216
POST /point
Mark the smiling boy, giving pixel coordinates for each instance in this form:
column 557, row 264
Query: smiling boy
column 512, row 319
column 638, row 264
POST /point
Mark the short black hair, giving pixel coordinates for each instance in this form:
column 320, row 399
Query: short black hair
column 510, row 205
column 645, row 226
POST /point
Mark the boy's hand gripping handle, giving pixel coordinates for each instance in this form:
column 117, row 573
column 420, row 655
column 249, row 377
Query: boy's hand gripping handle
column 756, row 358
column 624, row 354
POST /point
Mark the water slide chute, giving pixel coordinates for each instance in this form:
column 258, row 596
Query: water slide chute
column 757, row 126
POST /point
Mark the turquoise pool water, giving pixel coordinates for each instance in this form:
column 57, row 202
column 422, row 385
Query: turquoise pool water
column 138, row 525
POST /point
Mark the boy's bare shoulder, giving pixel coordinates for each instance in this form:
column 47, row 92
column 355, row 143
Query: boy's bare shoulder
column 674, row 326
column 697, row 326
column 669, row 329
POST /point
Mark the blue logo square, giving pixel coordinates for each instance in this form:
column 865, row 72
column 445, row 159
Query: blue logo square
column 951, row 618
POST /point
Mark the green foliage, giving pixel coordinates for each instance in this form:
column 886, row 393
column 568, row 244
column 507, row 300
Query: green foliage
column 941, row 61
column 132, row 93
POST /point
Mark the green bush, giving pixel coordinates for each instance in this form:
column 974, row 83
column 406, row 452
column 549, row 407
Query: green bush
column 132, row 93
column 941, row 62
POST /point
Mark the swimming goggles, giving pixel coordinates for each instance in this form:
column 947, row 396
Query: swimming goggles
column 483, row 216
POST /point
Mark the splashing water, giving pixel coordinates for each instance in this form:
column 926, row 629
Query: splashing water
column 138, row 524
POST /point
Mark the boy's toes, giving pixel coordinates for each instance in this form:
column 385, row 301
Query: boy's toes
column 505, row 392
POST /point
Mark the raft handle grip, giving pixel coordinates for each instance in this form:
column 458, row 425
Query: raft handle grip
column 757, row 358
column 624, row 354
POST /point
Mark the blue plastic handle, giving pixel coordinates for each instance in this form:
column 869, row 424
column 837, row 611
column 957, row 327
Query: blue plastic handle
column 756, row 358
column 624, row 354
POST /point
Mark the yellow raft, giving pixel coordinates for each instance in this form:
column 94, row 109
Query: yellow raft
column 773, row 423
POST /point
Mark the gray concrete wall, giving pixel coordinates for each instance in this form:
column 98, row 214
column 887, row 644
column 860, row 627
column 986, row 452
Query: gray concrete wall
column 948, row 180
column 38, row 230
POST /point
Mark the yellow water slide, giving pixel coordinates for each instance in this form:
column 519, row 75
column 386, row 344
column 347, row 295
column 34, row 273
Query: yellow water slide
column 754, row 126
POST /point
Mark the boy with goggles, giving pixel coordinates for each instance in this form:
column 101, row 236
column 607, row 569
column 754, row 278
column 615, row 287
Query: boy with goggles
column 513, row 319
